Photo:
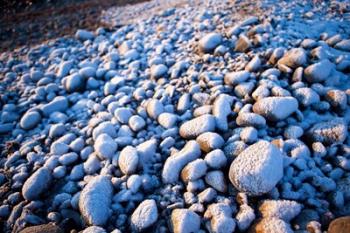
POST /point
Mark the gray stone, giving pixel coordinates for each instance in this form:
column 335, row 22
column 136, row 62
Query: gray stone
column 37, row 184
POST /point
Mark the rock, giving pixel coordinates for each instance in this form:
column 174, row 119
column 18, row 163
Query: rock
column 210, row 141
column 58, row 104
column 167, row 120
column 105, row 146
column 216, row 159
column 271, row 225
column 145, row 215
column 209, row 42
column 30, row 120
column 136, row 123
column 154, row 108
column 6, row 128
column 343, row 45
column 94, row 229
column 123, row 115
column 257, row 169
column 306, row 96
column 243, row 44
column 216, row 180
column 87, row 72
column 329, row 132
column 193, row 128
column 221, row 110
column 45, row 228
column 175, row 163
column 337, row 99
column 128, row 160
column 276, row 108
column 319, row 71
column 159, row 71
column 74, row 83
column 185, row 221
column 340, row 225
column 194, row 170
column 294, row 58
column 105, row 127
column 223, row 224
column 282, row 209
column 83, row 35
column 95, row 200
column 64, row 68
column 37, row 184
column 254, row 64
column 250, row 119
column 57, row 130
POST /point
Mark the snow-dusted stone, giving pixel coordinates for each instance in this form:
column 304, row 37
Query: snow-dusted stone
column 245, row 216
column 87, row 72
column 194, row 170
column 136, row 123
column 159, row 71
column 343, row 45
column 237, row 77
column 57, row 130
column 250, row 119
column 319, row 71
column 105, row 146
column 123, row 115
column 293, row 131
column 337, row 99
column 30, row 120
column 216, row 159
column 269, row 225
column 167, row 120
column 254, row 64
column 105, row 127
column 74, row 83
column 185, row 221
column 276, row 108
column 128, row 160
column 37, row 184
column 193, row 128
column 64, row 68
column 145, row 215
column 257, row 169
column 221, row 110
column 184, row 103
column 95, row 200
column 154, row 108
column 249, row 135
column 147, row 151
column 210, row 141
column 68, row 158
column 94, row 229
column 59, row 148
column 306, row 96
column 294, row 58
column 209, row 42
column 333, row 131
column 175, row 163
column 58, row 104
column 83, row 35
column 216, row 180
column 243, row 44
column 282, row 209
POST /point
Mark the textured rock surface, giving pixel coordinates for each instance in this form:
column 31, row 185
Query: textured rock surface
column 184, row 221
column 37, row 184
column 145, row 215
column 276, row 108
column 193, row 128
column 334, row 131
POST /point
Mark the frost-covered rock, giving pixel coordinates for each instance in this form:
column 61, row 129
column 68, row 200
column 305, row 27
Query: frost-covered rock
column 30, row 119
column 282, row 209
column 95, row 200
column 243, row 44
column 221, row 110
column 83, row 35
column 235, row 78
column 209, row 42
column 250, row 119
column 216, row 179
column 216, row 159
column 269, row 225
column 175, row 163
column 333, row 131
column 158, row 71
column 94, row 229
column 74, row 82
column 210, row 141
column 123, row 115
column 276, row 108
column 128, row 160
column 257, row 169
column 194, row 170
column 105, row 146
column 136, row 123
column 145, row 215
column 184, row 221
column 154, row 108
column 193, row 128
column 167, row 120
column 294, row 58
column 37, row 184
column 58, row 104
column 319, row 71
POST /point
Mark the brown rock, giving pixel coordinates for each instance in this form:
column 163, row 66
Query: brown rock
column 340, row 225
column 45, row 228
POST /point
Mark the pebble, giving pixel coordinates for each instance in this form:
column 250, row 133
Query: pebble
column 281, row 209
column 193, row 128
column 95, row 200
column 154, row 108
column 210, row 141
column 167, row 120
column 243, row 44
column 58, row 104
column 194, row 170
column 265, row 165
column 145, row 215
column 74, row 83
column 294, row 58
column 216, row 159
column 30, row 120
column 128, row 160
column 235, row 78
column 184, row 221
column 44, row 228
column 159, row 71
column 340, row 225
column 209, row 42
column 37, row 184
column 136, row 123
column 268, row 225
column 216, row 179
column 105, row 146
column 123, row 115
column 83, row 35
column 250, row 119
column 276, row 108
column 319, row 71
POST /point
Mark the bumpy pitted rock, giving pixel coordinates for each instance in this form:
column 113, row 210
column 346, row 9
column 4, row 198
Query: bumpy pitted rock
column 276, row 108
column 95, row 200
column 128, row 160
column 210, row 141
column 185, row 221
column 257, row 169
column 319, row 71
column 105, row 146
column 145, row 215
column 193, row 128
column 271, row 225
column 250, row 119
column 282, row 209
column 294, row 58
column 333, row 131
column 209, row 42
column 175, row 163
column 37, row 184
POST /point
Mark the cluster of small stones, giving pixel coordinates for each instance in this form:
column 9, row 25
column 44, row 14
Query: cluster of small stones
column 189, row 121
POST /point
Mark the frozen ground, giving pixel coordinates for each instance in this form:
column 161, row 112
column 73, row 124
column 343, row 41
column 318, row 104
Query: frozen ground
column 196, row 116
